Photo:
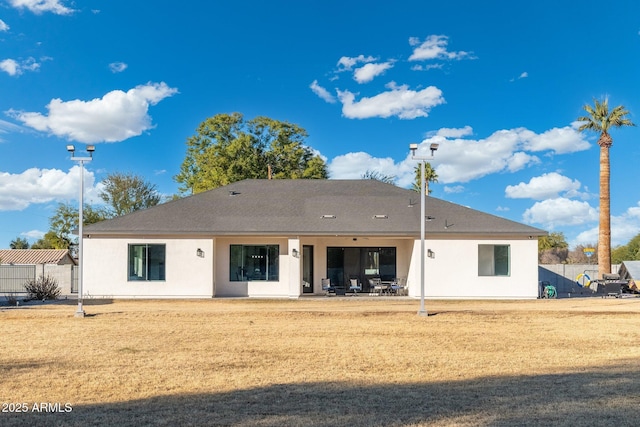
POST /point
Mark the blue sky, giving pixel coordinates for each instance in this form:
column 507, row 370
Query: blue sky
column 498, row 84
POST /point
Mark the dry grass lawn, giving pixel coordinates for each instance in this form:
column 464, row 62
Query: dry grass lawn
column 323, row 362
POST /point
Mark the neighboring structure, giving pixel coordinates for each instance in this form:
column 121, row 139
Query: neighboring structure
column 19, row 265
column 279, row 238
column 630, row 271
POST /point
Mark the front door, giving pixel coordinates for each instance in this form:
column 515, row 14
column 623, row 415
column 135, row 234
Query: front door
column 307, row 269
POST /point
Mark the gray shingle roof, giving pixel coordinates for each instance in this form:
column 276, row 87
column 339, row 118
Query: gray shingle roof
column 307, row 207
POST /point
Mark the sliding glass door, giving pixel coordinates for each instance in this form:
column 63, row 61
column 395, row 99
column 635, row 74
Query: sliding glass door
column 344, row 263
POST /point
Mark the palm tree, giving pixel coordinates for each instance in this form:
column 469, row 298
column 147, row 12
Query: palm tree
column 378, row 176
column 19, row 243
column 430, row 175
column 600, row 119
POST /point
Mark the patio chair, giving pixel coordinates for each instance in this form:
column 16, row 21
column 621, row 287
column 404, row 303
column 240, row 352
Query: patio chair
column 326, row 286
column 355, row 286
column 375, row 286
column 399, row 286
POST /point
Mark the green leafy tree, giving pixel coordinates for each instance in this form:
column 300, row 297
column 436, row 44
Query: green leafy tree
column 429, row 174
column 553, row 248
column 64, row 221
column 125, row 193
column 601, row 119
column 19, row 243
column 52, row 241
column 628, row 252
column 375, row 175
column 552, row 240
column 226, row 149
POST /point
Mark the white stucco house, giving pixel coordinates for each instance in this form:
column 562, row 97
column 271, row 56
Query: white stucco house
column 280, row 238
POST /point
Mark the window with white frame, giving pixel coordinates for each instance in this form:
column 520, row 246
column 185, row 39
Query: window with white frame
column 146, row 262
column 253, row 263
column 494, row 260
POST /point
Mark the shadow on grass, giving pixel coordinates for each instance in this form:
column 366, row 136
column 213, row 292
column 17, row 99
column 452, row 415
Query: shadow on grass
column 608, row 397
column 32, row 303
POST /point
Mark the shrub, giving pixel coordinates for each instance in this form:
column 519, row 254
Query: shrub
column 44, row 287
column 11, row 300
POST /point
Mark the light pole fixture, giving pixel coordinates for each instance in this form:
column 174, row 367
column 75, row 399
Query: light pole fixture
column 81, row 160
column 423, row 218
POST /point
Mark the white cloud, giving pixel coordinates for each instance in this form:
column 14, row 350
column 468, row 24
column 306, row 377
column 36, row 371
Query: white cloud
column 117, row 67
column 462, row 160
column 520, row 160
column 10, row 66
column 587, row 237
column 549, row 185
column 354, row 165
column 115, row 117
column 33, row 234
column 523, row 75
column 453, row 189
column 623, row 228
column 322, row 92
column 434, row 47
column 453, row 132
column 368, row 72
column 15, row 68
column 420, row 67
column 346, row 63
column 560, row 140
column 6, row 127
column 456, row 161
column 39, row 6
column 398, row 101
column 18, row 191
column 560, row 212
column 3, row 26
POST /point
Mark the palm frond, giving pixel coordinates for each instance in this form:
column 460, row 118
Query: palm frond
column 600, row 119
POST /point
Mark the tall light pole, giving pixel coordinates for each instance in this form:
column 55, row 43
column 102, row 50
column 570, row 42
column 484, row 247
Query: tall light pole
column 414, row 147
column 81, row 161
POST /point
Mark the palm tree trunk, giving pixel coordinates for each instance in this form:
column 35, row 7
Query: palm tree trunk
column 604, row 230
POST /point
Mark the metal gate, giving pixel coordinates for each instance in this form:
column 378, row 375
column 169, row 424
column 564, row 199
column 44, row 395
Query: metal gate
column 74, row 279
column 13, row 277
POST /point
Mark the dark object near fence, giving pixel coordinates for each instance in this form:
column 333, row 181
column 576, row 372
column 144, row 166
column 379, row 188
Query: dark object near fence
column 611, row 285
column 44, row 288
column 548, row 290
